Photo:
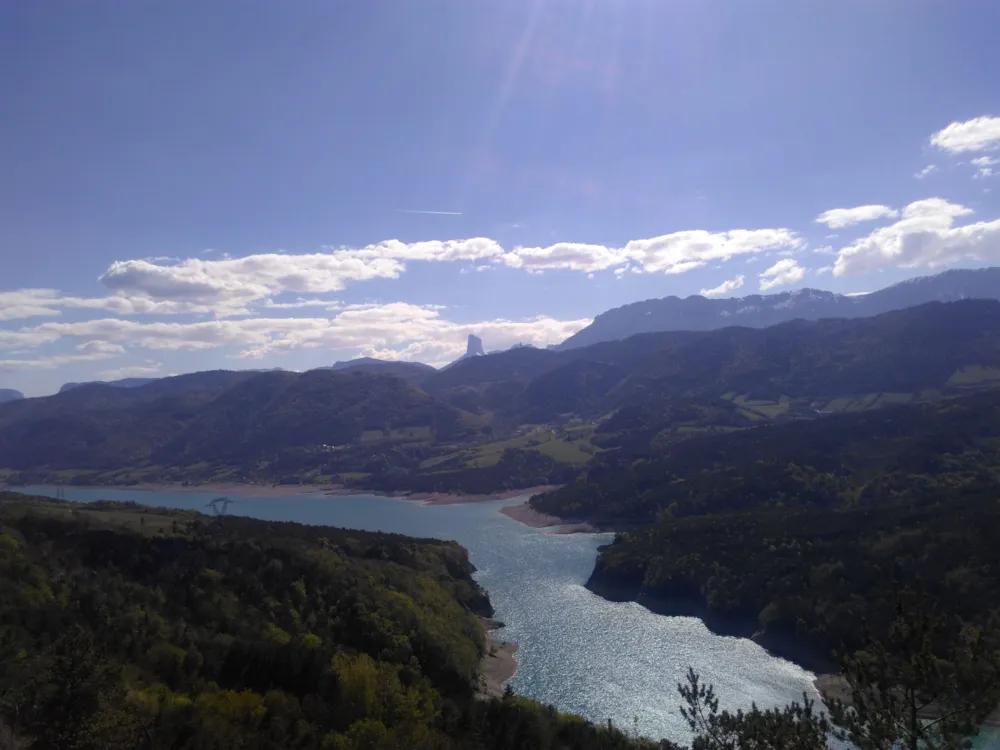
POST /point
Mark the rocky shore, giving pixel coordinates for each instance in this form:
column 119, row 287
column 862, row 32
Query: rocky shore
column 498, row 663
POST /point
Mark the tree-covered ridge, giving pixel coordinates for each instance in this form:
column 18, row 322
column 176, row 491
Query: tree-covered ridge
column 123, row 627
column 807, row 583
column 891, row 455
column 798, row 534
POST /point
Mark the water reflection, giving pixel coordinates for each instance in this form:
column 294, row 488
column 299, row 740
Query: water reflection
column 583, row 654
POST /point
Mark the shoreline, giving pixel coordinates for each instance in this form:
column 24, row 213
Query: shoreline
column 498, row 664
column 292, row 490
column 528, row 516
column 522, row 513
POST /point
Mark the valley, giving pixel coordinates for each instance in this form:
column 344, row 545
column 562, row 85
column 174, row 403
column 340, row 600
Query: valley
column 521, row 375
column 781, row 485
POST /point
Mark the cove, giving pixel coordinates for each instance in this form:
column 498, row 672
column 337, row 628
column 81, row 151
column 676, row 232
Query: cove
column 583, row 654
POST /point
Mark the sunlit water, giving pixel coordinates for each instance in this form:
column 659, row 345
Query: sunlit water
column 579, row 652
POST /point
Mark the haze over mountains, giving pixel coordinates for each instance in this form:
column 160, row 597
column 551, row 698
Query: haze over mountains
column 699, row 313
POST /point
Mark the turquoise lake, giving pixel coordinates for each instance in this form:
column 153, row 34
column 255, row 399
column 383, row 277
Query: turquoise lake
column 585, row 655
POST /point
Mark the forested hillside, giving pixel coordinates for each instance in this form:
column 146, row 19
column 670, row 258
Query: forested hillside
column 866, row 459
column 808, row 582
column 800, row 533
column 128, row 628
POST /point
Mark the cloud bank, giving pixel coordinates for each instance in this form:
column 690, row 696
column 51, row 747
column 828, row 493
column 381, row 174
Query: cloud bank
column 724, row 288
column 924, row 237
column 838, row 218
column 977, row 134
column 782, row 273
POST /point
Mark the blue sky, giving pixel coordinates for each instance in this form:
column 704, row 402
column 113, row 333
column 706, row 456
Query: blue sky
column 222, row 183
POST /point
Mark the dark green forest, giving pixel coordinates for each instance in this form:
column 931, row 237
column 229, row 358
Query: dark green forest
column 798, row 534
column 872, row 458
column 811, row 583
column 124, row 627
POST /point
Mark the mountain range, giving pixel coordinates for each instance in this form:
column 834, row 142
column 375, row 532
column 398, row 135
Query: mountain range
column 697, row 313
column 694, row 313
column 408, row 371
column 123, row 383
column 504, row 420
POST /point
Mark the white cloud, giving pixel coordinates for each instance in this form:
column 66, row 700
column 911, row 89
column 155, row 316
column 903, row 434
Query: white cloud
column 303, row 303
column 100, row 347
column 824, row 269
column 50, row 363
column 683, row 251
column 669, row 253
column 984, row 166
column 977, row 134
column 228, row 285
column 929, row 169
column 783, row 272
column 236, row 282
column 477, row 248
column 925, row 237
column 27, row 338
column 397, row 326
column 725, row 287
column 837, row 218
column 573, row 256
column 31, row 303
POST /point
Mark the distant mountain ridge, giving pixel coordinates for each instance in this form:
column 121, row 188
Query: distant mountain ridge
column 469, row 427
column 697, row 313
column 411, row 372
column 123, row 383
column 9, row 394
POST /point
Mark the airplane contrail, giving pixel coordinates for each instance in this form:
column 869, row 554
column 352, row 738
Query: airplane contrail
column 433, row 213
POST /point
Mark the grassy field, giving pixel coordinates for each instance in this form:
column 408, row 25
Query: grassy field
column 404, row 434
column 574, row 453
column 147, row 521
column 756, row 409
column 354, row 476
column 569, row 445
column 974, row 375
column 865, row 401
column 436, row 460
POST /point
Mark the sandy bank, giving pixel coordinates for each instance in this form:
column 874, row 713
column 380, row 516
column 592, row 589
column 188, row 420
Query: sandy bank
column 498, row 664
column 527, row 515
column 320, row 490
column 445, row 498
